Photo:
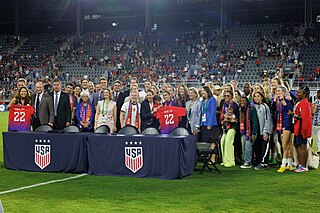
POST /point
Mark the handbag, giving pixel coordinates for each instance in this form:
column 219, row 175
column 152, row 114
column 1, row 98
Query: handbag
column 313, row 158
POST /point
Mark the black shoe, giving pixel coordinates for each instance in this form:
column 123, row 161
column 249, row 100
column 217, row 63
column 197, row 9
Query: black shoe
column 261, row 167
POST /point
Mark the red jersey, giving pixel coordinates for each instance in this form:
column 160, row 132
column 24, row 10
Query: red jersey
column 303, row 127
column 169, row 117
column 20, row 118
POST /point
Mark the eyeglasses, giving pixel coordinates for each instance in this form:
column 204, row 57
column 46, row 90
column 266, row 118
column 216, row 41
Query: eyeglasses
column 227, row 96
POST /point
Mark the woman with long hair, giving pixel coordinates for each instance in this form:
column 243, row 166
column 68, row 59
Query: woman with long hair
column 147, row 118
column 193, row 107
column 284, row 126
column 181, row 100
column 261, row 144
column 229, row 119
column 167, row 99
column 22, row 98
column 85, row 113
column 275, row 82
column 20, row 111
column 249, row 126
column 106, row 113
column 208, row 116
column 275, row 140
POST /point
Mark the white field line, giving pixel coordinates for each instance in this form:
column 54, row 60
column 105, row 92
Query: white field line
column 41, row 184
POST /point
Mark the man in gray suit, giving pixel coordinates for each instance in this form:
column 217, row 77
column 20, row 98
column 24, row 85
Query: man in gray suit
column 43, row 106
column 93, row 97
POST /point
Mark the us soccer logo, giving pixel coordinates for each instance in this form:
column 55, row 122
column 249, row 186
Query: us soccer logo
column 133, row 156
column 42, row 157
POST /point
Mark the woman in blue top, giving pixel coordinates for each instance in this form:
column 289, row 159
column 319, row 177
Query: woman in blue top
column 85, row 113
column 208, row 114
column 283, row 125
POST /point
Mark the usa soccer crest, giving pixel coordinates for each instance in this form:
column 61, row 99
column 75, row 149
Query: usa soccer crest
column 42, row 157
column 133, row 156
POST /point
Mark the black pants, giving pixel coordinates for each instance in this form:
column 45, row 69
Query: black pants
column 35, row 123
column 261, row 150
column 56, row 126
column 237, row 147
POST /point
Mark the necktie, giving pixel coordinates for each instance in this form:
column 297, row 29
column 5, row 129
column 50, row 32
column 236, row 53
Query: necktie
column 116, row 96
column 56, row 105
column 37, row 105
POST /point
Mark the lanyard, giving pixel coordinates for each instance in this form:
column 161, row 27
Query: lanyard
column 204, row 107
column 103, row 108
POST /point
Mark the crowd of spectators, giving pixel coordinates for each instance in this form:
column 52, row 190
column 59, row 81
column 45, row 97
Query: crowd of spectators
column 200, row 54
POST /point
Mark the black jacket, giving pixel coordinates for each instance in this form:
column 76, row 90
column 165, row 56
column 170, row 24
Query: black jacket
column 63, row 111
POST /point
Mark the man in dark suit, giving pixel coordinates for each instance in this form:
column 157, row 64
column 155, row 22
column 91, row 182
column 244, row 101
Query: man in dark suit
column 61, row 106
column 118, row 97
column 73, row 102
column 43, row 105
column 133, row 81
column 103, row 82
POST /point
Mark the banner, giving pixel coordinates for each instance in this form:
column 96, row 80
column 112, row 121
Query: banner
column 107, row 8
column 183, row 6
column 48, row 9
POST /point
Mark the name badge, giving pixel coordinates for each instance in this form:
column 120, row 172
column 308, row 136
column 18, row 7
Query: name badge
column 204, row 118
column 104, row 119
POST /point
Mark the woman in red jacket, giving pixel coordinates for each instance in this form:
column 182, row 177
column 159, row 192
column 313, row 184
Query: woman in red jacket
column 302, row 127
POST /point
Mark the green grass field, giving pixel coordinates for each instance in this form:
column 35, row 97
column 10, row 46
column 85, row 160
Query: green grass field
column 234, row 190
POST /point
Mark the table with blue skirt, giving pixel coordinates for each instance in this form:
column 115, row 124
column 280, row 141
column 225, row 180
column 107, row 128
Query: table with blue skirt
column 163, row 156
column 47, row 152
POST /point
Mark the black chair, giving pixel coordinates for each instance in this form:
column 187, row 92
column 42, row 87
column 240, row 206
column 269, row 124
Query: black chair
column 150, row 131
column 180, row 131
column 71, row 129
column 43, row 128
column 128, row 130
column 205, row 152
column 104, row 129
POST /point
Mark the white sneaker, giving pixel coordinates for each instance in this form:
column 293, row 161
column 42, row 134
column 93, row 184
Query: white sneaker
column 246, row 166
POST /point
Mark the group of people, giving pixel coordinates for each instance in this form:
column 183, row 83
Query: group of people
column 253, row 120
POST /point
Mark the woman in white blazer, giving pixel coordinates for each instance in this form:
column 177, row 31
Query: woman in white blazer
column 193, row 107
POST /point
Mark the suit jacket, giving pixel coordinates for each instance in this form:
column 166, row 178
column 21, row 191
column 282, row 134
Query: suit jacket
column 146, row 116
column 63, row 111
column 211, row 109
column 95, row 99
column 194, row 116
column 119, row 102
column 46, row 113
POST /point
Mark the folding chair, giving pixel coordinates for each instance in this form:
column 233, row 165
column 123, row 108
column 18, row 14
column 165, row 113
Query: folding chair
column 128, row 130
column 103, row 129
column 150, row 131
column 205, row 152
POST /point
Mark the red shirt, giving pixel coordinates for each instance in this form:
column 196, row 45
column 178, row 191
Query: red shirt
column 20, row 118
column 169, row 117
column 303, row 127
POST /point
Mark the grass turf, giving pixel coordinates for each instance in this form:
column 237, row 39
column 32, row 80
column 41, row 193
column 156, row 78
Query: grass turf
column 235, row 190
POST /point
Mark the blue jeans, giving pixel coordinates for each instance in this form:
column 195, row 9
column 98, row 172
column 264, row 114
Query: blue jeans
column 246, row 149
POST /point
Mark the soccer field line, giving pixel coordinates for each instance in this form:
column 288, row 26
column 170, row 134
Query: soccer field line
column 41, row 184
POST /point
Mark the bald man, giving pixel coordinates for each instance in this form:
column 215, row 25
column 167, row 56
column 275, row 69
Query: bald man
column 43, row 106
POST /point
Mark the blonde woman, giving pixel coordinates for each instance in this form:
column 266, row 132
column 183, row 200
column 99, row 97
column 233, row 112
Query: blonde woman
column 106, row 112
